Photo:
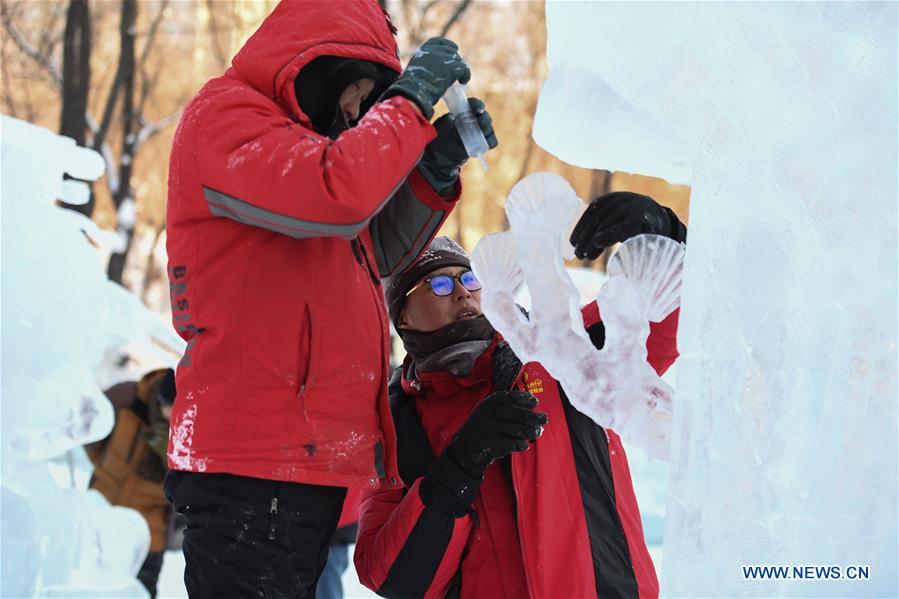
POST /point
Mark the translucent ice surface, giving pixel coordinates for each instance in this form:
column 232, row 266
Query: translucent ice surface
column 60, row 317
column 615, row 386
column 782, row 118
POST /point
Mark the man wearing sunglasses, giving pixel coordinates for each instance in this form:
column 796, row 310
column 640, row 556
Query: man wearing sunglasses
column 508, row 491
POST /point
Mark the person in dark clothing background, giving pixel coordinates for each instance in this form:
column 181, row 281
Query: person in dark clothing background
column 508, row 490
column 297, row 179
column 130, row 463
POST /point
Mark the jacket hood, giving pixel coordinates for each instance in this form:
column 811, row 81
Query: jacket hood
column 298, row 31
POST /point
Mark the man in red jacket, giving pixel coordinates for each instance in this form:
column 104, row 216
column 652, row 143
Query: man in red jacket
column 479, row 516
column 297, row 179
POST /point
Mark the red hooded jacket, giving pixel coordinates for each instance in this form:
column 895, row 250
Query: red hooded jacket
column 277, row 239
column 558, row 520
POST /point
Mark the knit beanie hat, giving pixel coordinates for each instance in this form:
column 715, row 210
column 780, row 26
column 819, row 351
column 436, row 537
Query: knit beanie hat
column 442, row 252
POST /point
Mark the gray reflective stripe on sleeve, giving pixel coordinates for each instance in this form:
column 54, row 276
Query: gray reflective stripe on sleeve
column 402, row 230
column 221, row 204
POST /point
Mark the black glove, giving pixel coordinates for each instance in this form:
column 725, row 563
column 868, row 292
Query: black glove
column 445, row 155
column 618, row 216
column 503, row 423
column 434, row 67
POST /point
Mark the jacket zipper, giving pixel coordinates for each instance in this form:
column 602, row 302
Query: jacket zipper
column 304, row 365
column 357, row 245
column 371, row 272
column 302, row 397
column 385, row 345
column 273, row 512
column 353, row 243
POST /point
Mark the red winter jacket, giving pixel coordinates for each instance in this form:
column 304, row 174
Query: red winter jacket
column 277, row 238
column 349, row 514
column 559, row 520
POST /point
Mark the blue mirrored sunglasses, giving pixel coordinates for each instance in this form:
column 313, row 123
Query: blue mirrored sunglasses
column 443, row 285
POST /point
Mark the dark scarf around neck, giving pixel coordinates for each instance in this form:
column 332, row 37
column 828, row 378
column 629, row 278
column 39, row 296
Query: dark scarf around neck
column 453, row 348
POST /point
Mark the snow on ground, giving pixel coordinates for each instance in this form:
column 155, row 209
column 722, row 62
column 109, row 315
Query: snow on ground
column 171, row 579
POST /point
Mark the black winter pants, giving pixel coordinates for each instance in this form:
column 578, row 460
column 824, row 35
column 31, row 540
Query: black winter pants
column 250, row 537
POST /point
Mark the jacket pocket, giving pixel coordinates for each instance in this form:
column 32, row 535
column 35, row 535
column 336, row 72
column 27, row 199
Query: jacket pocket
column 306, row 352
column 346, row 362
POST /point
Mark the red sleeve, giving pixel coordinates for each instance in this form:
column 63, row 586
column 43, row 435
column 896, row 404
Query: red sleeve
column 404, row 548
column 408, row 223
column 661, row 345
column 262, row 169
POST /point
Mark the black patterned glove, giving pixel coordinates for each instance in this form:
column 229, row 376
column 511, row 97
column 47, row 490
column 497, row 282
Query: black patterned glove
column 434, row 67
column 505, row 422
column 445, row 155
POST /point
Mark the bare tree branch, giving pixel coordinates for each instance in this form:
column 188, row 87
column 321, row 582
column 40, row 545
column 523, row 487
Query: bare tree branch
column 455, row 17
column 413, row 26
column 100, row 136
column 8, row 100
column 220, row 56
column 76, row 77
column 151, row 33
column 48, row 63
column 124, row 200
column 150, row 270
column 427, row 6
column 50, row 37
column 112, row 169
column 148, row 130
column 146, row 83
column 415, row 15
column 76, row 71
column 126, row 63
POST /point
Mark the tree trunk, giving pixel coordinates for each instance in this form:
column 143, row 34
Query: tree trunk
column 151, row 271
column 76, row 76
column 124, row 197
column 600, row 183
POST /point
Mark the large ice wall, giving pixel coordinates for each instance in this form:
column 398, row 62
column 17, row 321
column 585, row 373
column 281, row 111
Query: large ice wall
column 782, row 118
column 60, row 317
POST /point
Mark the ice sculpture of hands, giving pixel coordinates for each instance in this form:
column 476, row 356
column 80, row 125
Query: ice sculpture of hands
column 615, row 386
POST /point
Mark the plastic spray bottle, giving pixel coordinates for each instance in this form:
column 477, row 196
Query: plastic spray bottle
column 466, row 122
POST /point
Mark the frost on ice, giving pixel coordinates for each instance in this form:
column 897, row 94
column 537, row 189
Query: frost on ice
column 615, row 386
column 63, row 324
column 782, row 118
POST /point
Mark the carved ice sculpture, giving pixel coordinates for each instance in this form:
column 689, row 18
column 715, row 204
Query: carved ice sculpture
column 615, row 386
column 59, row 315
